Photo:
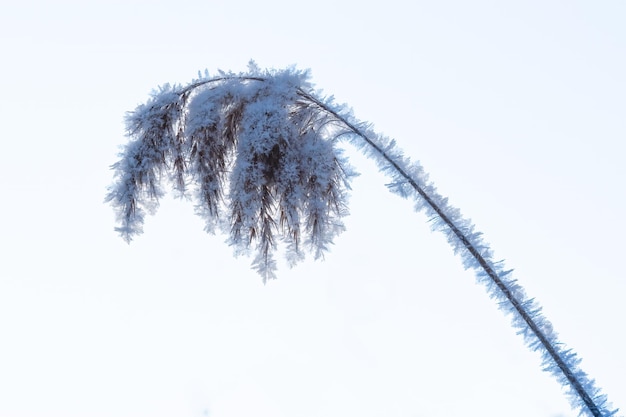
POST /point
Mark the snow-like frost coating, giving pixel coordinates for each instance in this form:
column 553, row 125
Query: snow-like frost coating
column 260, row 161
column 259, row 151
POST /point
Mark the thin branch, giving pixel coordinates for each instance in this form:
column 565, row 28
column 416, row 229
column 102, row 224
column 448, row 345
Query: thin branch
column 556, row 357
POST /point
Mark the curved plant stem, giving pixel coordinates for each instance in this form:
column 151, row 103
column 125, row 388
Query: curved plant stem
column 155, row 140
column 493, row 275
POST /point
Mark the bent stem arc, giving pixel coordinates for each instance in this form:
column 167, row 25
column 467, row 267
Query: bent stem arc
column 517, row 304
column 260, row 146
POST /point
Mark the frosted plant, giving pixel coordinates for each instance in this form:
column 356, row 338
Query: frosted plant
column 258, row 153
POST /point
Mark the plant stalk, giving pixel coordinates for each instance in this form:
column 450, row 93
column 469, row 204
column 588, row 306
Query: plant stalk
column 493, row 275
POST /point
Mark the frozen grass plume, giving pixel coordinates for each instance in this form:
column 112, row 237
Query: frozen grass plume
column 258, row 153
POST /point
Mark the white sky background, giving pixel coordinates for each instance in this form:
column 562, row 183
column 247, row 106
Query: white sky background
column 517, row 111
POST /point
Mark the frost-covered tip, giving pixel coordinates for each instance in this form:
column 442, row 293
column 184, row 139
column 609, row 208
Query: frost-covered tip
column 259, row 157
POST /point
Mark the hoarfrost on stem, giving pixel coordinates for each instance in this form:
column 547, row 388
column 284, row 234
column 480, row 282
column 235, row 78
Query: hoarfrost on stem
column 259, row 151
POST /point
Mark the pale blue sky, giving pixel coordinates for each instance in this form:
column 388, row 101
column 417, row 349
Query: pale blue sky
column 516, row 110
